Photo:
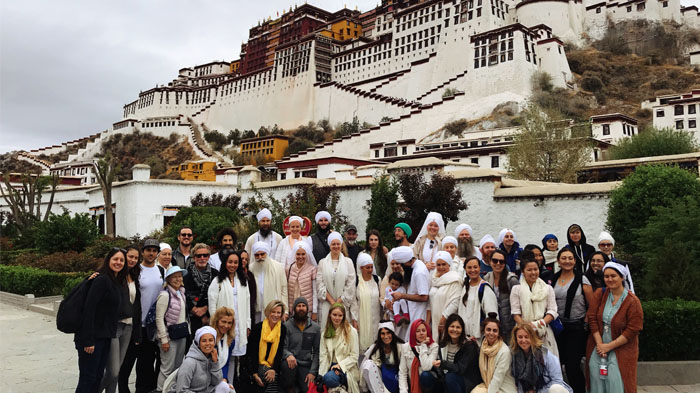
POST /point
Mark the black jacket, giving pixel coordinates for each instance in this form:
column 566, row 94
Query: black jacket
column 466, row 364
column 254, row 344
column 320, row 245
column 101, row 312
column 136, row 318
column 582, row 251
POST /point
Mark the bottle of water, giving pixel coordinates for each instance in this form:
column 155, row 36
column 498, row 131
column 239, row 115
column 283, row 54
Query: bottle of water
column 603, row 367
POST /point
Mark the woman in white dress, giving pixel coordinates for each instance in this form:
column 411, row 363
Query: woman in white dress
column 478, row 299
column 367, row 309
column 337, row 278
column 444, row 292
column 230, row 289
column 284, row 253
column 429, row 240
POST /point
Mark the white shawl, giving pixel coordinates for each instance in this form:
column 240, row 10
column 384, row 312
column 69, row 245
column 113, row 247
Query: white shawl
column 221, row 295
column 285, row 254
column 533, row 302
column 334, row 281
column 222, row 348
column 444, row 298
column 368, row 311
column 274, row 282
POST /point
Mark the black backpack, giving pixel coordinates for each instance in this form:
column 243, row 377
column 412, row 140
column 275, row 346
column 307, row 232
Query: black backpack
column 69, row 318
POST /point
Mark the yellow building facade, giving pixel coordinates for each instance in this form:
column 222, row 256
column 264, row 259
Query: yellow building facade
column 272, row 147
column 343, row 30
column 195, row 170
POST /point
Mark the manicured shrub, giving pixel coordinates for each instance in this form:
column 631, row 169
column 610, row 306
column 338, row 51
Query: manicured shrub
column 59, row 262
column 101, row 246
column 667, row 330
column 205, row 222
column 24, row 280
column 61, row 232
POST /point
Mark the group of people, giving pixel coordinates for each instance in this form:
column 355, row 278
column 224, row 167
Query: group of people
column 296, row 312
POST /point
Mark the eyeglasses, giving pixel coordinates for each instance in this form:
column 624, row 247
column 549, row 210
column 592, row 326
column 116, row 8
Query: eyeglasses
column 498, row 261
column 186, row 235
column 201, row 255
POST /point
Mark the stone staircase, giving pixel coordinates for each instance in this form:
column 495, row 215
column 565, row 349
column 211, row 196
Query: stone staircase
column 443, row 84
column 199, row 112
column 44, row 165
column 200, row 145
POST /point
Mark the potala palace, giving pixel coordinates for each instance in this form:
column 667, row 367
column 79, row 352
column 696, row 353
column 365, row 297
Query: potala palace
column 388, row 66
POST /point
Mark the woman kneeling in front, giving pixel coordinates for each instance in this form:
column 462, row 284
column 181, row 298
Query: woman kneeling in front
column 200, row 372
column 339, row 351
column 535, row 368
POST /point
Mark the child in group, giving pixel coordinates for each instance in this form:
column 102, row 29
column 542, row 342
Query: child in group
column 399, row 311
column 550, row 248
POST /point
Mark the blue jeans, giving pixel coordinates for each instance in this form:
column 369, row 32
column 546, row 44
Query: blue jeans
column 333, row 380
column 92, row 366
column 427, row 381
column 454, row 383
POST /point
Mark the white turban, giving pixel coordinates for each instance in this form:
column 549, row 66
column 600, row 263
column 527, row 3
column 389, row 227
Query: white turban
column 620, row 269
column 502, row 235
column 605, row 236
column 363, row 259
column 202, row 331
column 309, row 253
column 402, row 254
column 264, row 213
column 261, row 246
column 486, row 239
column 386, row 325
column 164, row 246
column 389, row 255
column 462, row 227
column 443, row 256
column 436, row 218
column 449, row 239
column 322, row 214
column 335, row 236
column 297, row 219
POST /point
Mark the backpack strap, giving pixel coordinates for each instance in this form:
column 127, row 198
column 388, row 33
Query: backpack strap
column 161, row 269
column 481, row 297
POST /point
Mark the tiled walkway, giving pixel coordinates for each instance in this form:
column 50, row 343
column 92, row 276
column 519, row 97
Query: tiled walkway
column 35, row 357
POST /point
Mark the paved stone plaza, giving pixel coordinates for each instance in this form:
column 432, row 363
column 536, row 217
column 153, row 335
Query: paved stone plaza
column 35, row 357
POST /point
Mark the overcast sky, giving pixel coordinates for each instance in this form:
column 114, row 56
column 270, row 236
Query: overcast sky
column 67, row 67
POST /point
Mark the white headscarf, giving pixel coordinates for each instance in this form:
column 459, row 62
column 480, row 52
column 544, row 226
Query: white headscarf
column 264, row 213
column 487, row 239
column 297, row 219
column 165, row 246
column 449, row 239
column 335, row 236
column 462, row 227
column 322, row 214
column 261, row 246
column 436, row 218
column 605, row 236
column 363, row 259
column 620, row 269
column 502, row 235
column 443, row 256
column 309, row 254
column 202, row 331
column 402, row 254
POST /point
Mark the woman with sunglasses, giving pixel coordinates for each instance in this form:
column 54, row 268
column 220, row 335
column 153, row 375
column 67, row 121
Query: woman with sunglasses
column 502, row 283
column 606, row 244
column 429, row 240
column 199, row 276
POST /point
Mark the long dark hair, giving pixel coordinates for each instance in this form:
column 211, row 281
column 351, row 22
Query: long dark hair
column 466, row 281
column 381, row 257
column 135, row 271
column 224, row 255
column 379, row 346
column 445, row 336
column 223, row 232
column 492, row 317
column 104, row 269
column 502, row 283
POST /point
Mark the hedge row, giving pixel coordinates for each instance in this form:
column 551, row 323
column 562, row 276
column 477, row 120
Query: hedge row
column 23, row 280
column 669, row 325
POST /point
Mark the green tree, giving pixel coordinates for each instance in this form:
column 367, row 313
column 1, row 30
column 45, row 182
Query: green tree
column 216, row 139
column 547, row 148
column 384, row 208
column 347, row 128
column 672, row 236
column 633, row 202
column 654, row 142
column 298, row 144
column 205, row 221
column 25, row 200
column 421, row 197
column 106, row 170
column 234, row 137
column 61, row 232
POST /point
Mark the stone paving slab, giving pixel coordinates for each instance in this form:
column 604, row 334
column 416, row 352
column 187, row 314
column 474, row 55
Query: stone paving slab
column 35, row 357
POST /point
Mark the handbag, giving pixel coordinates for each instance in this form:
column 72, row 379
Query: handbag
column 179, row 330
column 317, row 386
column 557, row 326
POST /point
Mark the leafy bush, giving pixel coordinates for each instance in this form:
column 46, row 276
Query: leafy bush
column 205, row 222
column 69, row 284
column 24, row 280
column 456, row 128
column 591, row 83
column 421, row 197
column 654, row 142
column 632, row 203
column 672, row 228
column 216, row 139
column 61, row 232
column 101, row 246
column 449, row 92
column 666, row 330
column 230, row 201
column 384, row 208
column 298, row 144
column 60, row 262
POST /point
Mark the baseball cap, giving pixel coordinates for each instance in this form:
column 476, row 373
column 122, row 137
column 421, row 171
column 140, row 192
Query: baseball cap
column 151, row 242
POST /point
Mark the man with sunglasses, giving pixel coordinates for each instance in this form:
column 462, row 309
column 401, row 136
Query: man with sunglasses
column 197, row 281
column 181, row 255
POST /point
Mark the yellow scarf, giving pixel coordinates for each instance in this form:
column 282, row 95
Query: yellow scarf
column 269, row 336
column 487, row 360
